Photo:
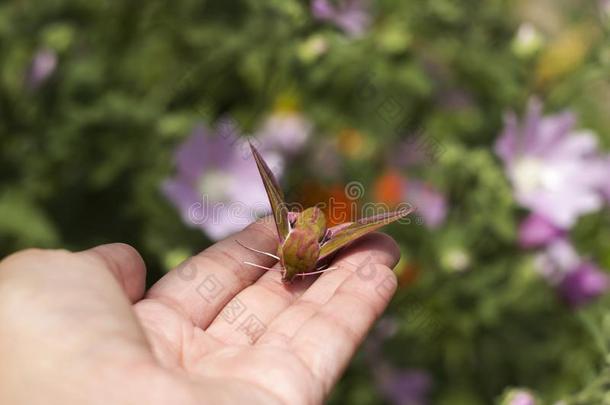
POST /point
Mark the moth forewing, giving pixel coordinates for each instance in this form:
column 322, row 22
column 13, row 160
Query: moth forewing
column 358, row 229
column 275, row 195
column 304, row 241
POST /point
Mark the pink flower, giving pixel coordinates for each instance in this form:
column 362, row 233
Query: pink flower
column 428, row 202
column 556, row 260
column 403, row 386
column 217, row 186
column 537, row 231
column 583, row 284
column 519, row 397
column 399, row 386
column 555, row 172
column 352, row 16
column 577, row 281
column 43, row 65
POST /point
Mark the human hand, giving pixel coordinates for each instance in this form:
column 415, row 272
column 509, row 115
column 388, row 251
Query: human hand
column 79, row 328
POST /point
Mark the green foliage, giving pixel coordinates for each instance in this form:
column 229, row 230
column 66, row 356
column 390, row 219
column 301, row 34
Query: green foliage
column 82, row 157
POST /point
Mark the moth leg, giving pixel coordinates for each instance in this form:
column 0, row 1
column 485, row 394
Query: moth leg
column 257, row 251
column 261, row 267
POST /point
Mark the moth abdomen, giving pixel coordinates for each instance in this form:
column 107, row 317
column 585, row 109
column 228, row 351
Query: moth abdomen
column 299, row 252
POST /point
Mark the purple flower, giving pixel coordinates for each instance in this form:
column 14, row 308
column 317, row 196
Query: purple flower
column 558, row 258
column 403, row 387
column 555, row 171
column 536, row 231
column 523, row 398
column 41, row 68
column 583, row 284
column 217, row 187
column 577, row 280
column 352, row 16
column 428, row 202
column 399, row 386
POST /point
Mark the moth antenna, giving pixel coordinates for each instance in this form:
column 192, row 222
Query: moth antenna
column 257, row 251
column 319, row 271
column 261, row 267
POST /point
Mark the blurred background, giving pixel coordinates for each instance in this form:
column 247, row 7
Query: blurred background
column 127, row 120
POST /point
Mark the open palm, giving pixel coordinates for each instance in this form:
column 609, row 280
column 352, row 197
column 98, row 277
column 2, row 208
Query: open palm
column 211, row 331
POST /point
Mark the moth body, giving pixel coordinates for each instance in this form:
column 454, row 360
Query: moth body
column 300, row 250
column 305, row 243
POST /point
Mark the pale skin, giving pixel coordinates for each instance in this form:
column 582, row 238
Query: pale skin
column 80, row 328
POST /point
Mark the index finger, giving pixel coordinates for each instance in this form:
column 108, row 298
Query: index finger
column 200, row 287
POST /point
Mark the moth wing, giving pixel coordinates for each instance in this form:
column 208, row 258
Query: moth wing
column 344, row 235
column 274, row 193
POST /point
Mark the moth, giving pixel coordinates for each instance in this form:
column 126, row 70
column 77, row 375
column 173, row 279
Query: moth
column 305, row 242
